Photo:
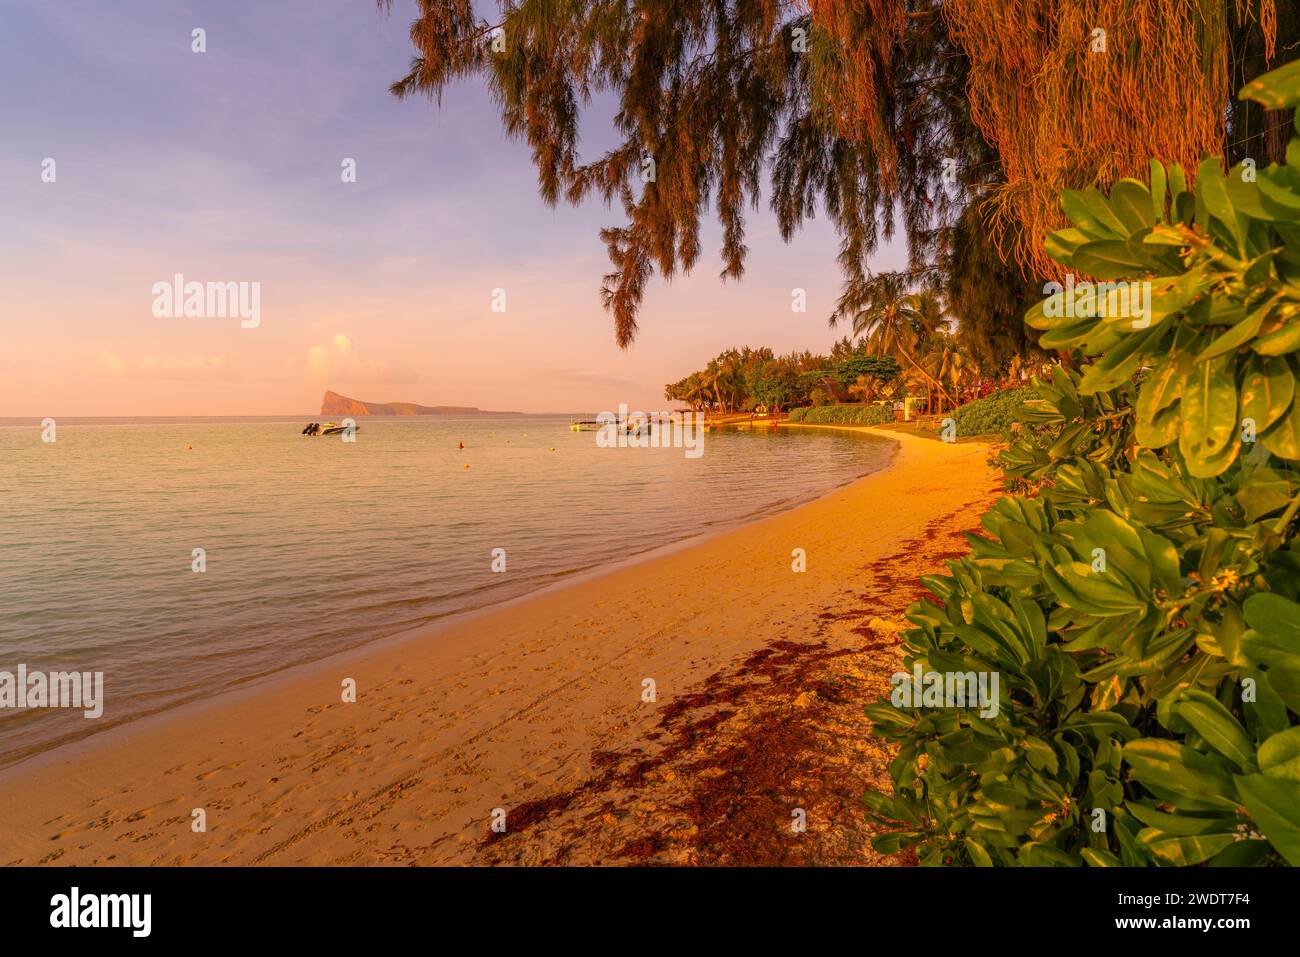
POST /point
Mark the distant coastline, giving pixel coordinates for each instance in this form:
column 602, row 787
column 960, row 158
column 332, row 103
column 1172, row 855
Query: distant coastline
column 334, row 404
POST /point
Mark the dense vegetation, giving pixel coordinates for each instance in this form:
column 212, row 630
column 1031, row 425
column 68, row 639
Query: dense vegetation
column 992, row 415
column 903, row 347
column 1142, row 607
column 740, row 380
column 843, row 415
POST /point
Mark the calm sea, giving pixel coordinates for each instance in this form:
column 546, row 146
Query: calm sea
column 316, row 545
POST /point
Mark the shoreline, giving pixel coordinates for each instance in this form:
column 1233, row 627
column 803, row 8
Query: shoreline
column 516, row 707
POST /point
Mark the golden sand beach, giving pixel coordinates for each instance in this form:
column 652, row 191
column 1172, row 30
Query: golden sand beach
column 539, row 712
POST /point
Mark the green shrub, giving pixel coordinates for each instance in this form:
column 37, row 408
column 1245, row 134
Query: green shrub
column 993, row 414
column 843, row 414
column 1142, row 609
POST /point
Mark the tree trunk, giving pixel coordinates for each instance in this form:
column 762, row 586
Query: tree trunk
column 929, row 378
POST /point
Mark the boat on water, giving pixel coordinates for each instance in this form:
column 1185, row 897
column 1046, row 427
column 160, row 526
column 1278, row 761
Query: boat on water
column 629, row 426
column 329, row 428
column 637, row 423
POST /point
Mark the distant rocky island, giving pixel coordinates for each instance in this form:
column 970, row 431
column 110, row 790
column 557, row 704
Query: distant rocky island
column 334, row 404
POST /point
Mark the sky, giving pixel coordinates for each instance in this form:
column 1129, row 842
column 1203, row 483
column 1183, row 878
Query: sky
column 226, row 166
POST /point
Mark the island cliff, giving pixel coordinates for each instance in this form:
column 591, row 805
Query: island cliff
column 334, row 404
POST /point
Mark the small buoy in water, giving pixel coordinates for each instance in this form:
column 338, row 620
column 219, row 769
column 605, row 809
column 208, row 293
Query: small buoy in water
column 466, row 465
column 552, row 448
column 461, row 445
column 189, row 448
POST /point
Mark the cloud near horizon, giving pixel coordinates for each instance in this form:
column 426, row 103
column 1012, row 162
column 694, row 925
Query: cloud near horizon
column 165, row 367
column 338, row 359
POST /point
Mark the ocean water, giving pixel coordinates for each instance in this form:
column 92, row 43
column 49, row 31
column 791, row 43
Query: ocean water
column 316, row 545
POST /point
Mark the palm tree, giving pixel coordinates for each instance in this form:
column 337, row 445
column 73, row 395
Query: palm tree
column 868, row 387
column 714, row 373
column 945, row 361
column 697, row 391
column 896, row 322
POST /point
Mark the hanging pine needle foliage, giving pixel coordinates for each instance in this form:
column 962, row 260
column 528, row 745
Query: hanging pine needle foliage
column 856, row 61
column 849, row 109
column 1068, row 105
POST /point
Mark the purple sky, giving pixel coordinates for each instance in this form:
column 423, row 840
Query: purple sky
column 225, row 167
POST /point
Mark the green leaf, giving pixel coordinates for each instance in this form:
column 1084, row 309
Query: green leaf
column 1108, row 259
column 1163, row 558
column 1267, row 388
column 1283, row 677
column 1283, row 437
column 1158, row 182
column 882, row 804
column 1118, row 364
column 1246, row 197
column 1061, row 244
column 1043, row 855
column 1181, row 824
column 979, row 857
column 1171, row 295
column 1132, row 203
column 1278, row 193
column 1209, row 407
column 1096, row 857
column 1101, row 208
column 1269, row 491
column 1277, row 89
column 1242, row 854
column 1165, row 383
column 1275, row 617
column 1160, row 429
column 1157, row 423
column 1217, row 726
column 1184, row 851
column 1280, row 341
column 1172, row 767
column 1077, row 208
column 1279, row 756
column 893, row 841
column 1212, row 188
column 1237, row 335
column 1177, row 181
column 1275, row 806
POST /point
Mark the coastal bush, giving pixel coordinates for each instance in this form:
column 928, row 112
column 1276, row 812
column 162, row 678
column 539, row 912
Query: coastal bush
column 992, row 414
column 843, row 414
column 861, row 363
column 1141, row 607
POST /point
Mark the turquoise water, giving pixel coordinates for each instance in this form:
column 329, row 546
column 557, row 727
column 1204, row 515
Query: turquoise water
column 315, row 545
